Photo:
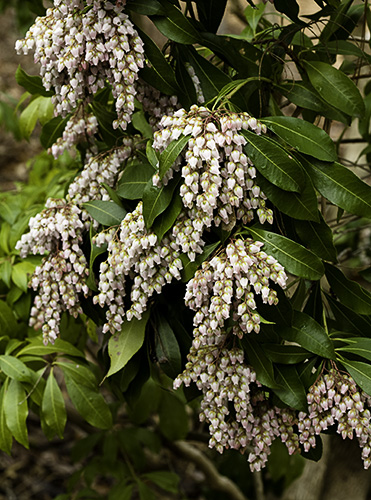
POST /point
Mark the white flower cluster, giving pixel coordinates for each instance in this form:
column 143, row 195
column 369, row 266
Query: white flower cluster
column 226, row 381
column 196, row 82
column 104, row 168
column 224, row 288
column 155, row 104
column 335, row 400
column 80, row 128
column 60, row 279
column 219, row 184
column 82, row 45
column 133, row 253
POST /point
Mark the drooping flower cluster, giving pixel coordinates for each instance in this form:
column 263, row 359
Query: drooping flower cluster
column 155, row 104
column 60, row 279
column 227, row 381
column 225, row 287
column 133, row 252
column 335, row 400
column 219, row 184
column 196, row 82
column 82, row 45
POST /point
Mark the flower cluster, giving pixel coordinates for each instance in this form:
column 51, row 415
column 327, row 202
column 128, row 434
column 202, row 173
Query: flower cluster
column 134, row 253
column 226, row 381
column 196, row 82
column 335, row 400
column 219, row 184
column 225, row 287
column 155, row 104
column 79, row 129
column 82, row 45
column 60, row 279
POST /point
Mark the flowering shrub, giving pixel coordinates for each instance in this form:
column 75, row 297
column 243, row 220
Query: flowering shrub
column 194, row 239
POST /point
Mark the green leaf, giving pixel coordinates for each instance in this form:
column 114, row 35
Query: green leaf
column 52, row 130
column 348, row 291
column 287, row 354
column 176, row 26
column 80, row 373
column 189, row 268
column 15, row 369
column 122, row 346
column 288, row 7
column 171, row 153
column 160, row 74
column 8, row 324
column 36, row 347
column 53, row 407
column 133, row 180
column 29, row 117
column 309, row 334
column 341, row 47
column 335, row 87
column 302, row 135
column 166, row 220
column 156, row 200
column 261, row 363
column 295, row 258
column 105, row 118
column 152, row 155
column 145, row 492
column 318, row 237
column 6, row 272
column 274, row 162
column 292, row 391
column 341, row 187
column 145, row 7
column 5, row 434
column 359, row 346
column 211, row 13
column 174, row 422
column 302, row 206
column 16, row 411
column 141, row 124
column 21, row 273
column 361, row 372
column 89, row 403
column 348, row 320
column 33, row 84
column 167, row 348
column 106, row 213
column 168, row 481
column 337, row 20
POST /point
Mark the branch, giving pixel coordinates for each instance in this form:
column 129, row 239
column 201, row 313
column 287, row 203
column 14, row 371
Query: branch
column 214, row 479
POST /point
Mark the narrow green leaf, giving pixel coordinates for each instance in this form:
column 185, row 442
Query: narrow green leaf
column 347, row 320
column 302, row 206
column 16, row 411
column 175, row 25
column 145, row 492
column 166, row 220
column 292, row 391
column 342, row 47
column 52, row 130
column 146, row 7
column 274, row 162
column 302, row 135
column 359, row 346
column 309, row 334
column 29, row 117
column 348, row 291
column 211, row 13
column 156, row 200
column 361, row 372
column 295, row 258
column 36, row 347
column 167, row 348
column 261, row 363
column 174, row 422
column 15, row 369
column 287, row 354
column 141, row 124
column 5, row 434
column 53, row 407
column 33, row 84
column 8, row 324
column 134, row 179
column 168, row 481
column 105, row 118
column 89, row 403
column 171, row 153
column 122, row 346
column 21, row 273
column 189, row 268
column 80, row 373
column 335, row 87
column 153, row 156
column 318, row 237
column 341, row 187
column 106, row 213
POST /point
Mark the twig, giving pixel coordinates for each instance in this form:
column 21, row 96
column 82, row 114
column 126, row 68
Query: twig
column 214, row 479
column 259, row 486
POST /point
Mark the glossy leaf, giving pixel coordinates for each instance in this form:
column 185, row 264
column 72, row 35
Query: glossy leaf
column 318, row 237
column 342, row 47
column 176, row 26
column 287, row 354
column 294, row 257
column 274, row 162
column 133, row 180
column 53, row 407
column 335, row 87
column 36, row 347
column 357, row 345
column 8, row 324
column 348, row 291
column 173, row 417
column 141, row 124
column 122, row 346
column 211, row 13
column 156, row 200
column 145, row 7
column 166, row 220
column 171, row 153
column 341, row 187
column 291, row 390
column 303, row 136
column 52, row 130
column 80, row 373
column 167, row 348
column 29, row 117
column 309, row 334
column 5, row 434
column 89, row 403
column 288, row 7
column 361, row 372
column 15, row 369
column 261, row 363
column 33, row 84
column 302, row 206
column 16, row 411
column 348, row 320
column 106, row 213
